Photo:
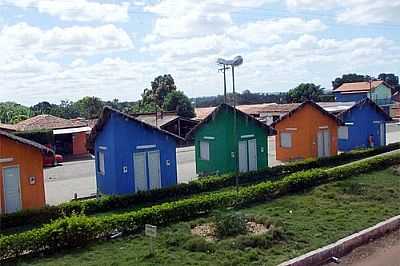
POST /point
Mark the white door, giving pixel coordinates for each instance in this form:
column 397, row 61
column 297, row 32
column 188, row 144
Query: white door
column 324, row 143
column 154, row 169
column 327, row 143
column 252, row 146
column 382, row 134
column 11, row 182
column 140, row 171
column 243, row 165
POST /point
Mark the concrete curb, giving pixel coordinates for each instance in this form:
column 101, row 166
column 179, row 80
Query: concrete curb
column 345, row 245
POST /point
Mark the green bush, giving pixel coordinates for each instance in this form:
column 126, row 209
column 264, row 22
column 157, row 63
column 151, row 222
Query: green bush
column 199, row 244
column 212, row 183
column 229, row 224
column 78, row 230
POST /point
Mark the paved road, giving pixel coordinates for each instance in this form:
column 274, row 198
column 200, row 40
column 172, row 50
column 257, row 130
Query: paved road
column 381, row 252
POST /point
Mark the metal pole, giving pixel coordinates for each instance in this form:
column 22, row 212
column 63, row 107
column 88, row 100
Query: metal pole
column 234, row 131
column 224, row 83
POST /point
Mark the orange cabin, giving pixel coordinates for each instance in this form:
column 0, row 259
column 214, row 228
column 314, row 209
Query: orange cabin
column 307, row 131
column 21, row 173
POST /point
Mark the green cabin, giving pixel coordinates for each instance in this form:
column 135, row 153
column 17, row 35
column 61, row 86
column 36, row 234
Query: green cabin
column 221, row 147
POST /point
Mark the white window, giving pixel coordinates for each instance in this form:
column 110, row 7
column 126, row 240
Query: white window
column 204, row 150
column 343, row 133
column 286, row 140
column 101, row 162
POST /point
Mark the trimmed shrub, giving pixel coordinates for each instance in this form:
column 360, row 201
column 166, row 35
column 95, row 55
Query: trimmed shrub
column 78, row 230
column 207, row 184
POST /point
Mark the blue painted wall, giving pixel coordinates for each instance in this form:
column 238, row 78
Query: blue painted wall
column 120, row 137
column 363, row 118
column 351, row 97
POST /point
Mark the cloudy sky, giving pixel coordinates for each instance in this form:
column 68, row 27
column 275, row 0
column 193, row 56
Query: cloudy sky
column 66, row 49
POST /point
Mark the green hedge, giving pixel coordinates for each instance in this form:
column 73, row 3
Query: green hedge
column 76, row 231
column 208, row 184
column 43, row 137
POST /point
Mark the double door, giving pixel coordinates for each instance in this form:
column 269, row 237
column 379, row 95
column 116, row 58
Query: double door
column 324, row 143
column 147, row 170
column 12, row 189
column 247, row 155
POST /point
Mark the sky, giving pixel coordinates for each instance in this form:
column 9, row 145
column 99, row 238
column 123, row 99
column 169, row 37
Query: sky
column 53, row 50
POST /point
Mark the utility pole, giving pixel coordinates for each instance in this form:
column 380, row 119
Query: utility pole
column 234, row 129
column 223, row 70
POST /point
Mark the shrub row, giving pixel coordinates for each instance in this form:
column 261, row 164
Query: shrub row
column 78, row 230
column 207, row 184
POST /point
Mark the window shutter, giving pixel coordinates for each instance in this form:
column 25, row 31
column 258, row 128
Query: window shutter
column 286, row 140
column 204, row 150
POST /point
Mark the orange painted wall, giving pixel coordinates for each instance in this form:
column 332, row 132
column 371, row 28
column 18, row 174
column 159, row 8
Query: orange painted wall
column 79, row 143
column 30, row 162
column 304, row 140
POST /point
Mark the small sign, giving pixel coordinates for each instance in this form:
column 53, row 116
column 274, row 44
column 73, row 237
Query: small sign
column 150, row 230
column 32, row 180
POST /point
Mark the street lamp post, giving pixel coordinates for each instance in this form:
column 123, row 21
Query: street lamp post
column 237, row 61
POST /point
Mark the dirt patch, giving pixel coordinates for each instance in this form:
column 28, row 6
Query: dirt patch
column 208, row 231
column 396, row 169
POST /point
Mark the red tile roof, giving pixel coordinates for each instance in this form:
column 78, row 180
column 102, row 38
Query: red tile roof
column 49, row 122
column 358, row 86
column 7, row 127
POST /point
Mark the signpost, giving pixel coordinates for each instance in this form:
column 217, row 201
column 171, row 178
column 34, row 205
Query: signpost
column 151, row 231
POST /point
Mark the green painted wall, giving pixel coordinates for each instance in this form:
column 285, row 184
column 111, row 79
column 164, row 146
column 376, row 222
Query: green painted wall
column 381, row 93
column 221, row 128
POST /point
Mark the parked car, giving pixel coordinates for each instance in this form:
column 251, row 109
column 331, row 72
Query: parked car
column 52, row 160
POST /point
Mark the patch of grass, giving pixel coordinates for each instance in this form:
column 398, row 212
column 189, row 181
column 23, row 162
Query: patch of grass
column 304, row 221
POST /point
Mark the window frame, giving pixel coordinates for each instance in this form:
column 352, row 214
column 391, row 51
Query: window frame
column 101, row 155
column 206, row 158
column 281, row 142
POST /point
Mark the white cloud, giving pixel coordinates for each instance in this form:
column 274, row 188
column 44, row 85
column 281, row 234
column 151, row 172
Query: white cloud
column 369, row 11
column 190, row 18
column 362, row 12
column 78, row 10
column 270, row 31
column 26, row 39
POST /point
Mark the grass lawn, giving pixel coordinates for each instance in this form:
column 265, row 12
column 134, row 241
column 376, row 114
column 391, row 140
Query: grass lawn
column 309, row 220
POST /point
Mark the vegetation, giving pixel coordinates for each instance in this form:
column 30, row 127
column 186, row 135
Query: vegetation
column 306, row 92
column 79, row 230
column 230, row 224
column 44, row 215
column 307, row 220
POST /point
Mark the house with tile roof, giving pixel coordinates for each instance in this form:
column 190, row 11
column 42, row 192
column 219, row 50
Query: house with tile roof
column 70, row 136
column 378, row 91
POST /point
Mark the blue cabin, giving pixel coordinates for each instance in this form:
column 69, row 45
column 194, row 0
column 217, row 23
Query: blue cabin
column 132, row 155
column 364, row 122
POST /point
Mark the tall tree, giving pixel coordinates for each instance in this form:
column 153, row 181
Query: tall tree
column 179, row 102
column 160, row 87
column 89, row 107
column 391, row 79
column 348, row 78
column 304, row 92
column 11, row 113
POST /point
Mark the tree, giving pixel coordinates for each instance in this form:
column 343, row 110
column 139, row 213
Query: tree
column 390, row 79
column 89, row 107
column 348, row 78
column 42, row 108
column 160, row 88
column 12, row 113
column 304, row 92
column 179, row 102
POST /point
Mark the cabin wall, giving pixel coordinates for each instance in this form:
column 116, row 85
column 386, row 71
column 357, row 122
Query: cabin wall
column 362, row 122
column 30, row 163
column 304, row 126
